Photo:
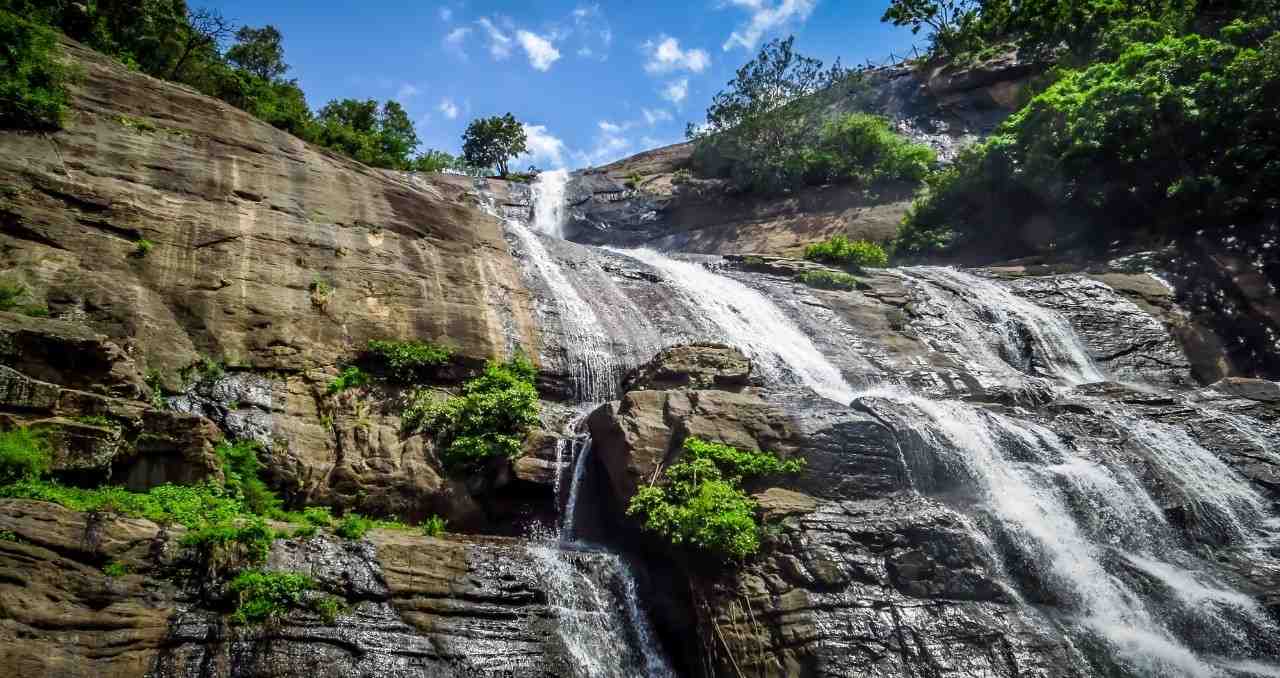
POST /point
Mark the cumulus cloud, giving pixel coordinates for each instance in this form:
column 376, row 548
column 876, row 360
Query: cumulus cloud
column 407, row 91
column 665, row 56
column 544, row 148
column 540, row 50
column 655, row 116
column 766, row 16
column 609, row 145
column 592, row 31
column 448, row 108
column 676, row 91
column 455, row 42
column 499, row 42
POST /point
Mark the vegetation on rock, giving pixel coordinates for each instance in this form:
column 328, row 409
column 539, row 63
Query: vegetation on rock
column 409, row 362
column 263, row 596
column 700, row 502
column 351, row 377
column 24, row 455
column 489, row 419
column 840, row 251
column 1171, row 137
column 243, row 477
column 32, row 80
column 828, row 280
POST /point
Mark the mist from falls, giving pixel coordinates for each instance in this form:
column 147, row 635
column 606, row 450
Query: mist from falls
column 1079, row 534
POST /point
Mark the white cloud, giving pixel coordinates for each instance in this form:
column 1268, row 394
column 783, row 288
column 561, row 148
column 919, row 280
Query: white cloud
column 540, row 50
column 455, row 42
column 766, row 17
column 448, row 108
column 666, row 56
column 446, row 14
column 499, row 42
column 610, row 128
column 544, row 147
column 676, row 91
column 608, row 145
column 655, row 116
column 407, row 91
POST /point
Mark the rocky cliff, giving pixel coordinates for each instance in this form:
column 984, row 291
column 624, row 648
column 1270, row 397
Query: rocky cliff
column 1015, row 471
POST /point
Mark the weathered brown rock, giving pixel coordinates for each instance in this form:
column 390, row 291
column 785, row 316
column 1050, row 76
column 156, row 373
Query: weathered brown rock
column 692, row 366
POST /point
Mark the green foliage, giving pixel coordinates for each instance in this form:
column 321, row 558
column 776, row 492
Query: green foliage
column 840, row 251
column 408, row 362
column 155, row 381
column 489, row 419
column 352, row 377
column 354, row 526
column 758, row 131
column 681, row 176
column 865, row 149
column 633, row 181
column 319, row 516
column 948, row 21
column 329, row 608
column 828, row 280
column 700, row 503
column 492, row 142
column 32, row 80
column 258, row 51
column 116, row 568
column 432, row 160
column 1173, row 136
column 304, row 532
column 12, row 296
column 24, row 455
column 143, row 247
column 243, row 473
column 10, row 536
column 250, row 533
column 264, row 596
column 381, row 137
column 434, row 526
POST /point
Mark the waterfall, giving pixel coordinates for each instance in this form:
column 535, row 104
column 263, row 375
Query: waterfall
column 1008, row 332
column 751, row 322
column 594, row 594
column 549, row 202
column 1070, row 520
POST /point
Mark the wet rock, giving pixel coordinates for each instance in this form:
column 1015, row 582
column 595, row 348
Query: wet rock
column 697, row 366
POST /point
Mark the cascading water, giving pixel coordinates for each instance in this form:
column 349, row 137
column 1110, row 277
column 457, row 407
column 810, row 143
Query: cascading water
column 1006, row 331
column 549, row 202
column 747, row 319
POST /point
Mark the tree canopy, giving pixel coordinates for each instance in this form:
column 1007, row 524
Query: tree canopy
column 493, row 142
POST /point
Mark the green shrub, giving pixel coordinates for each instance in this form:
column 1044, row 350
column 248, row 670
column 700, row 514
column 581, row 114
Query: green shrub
column 263, row 596
column 10, row 535
column 489, row 419
column 116, row 568
column 828, row 280
column 408, row 362
column 12, row 296
column 243, row 473
column 838, row 250
column 865, row 149
column 700, row 503
column 320, row 516
column 352, row 377
column 321, row 292
column 1172, row 137
column 32, row 80
column 633, row 181
column 681, row 176
column 329, row 608
column 304, row 532
column 434, row 526
column 24, row 455
column 251, row 534
column 353, row 526
column 143, row 247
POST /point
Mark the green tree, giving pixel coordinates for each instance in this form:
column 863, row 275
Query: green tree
column 32, row 81
column 258, row 50
column 946, row 20
column 432, row 160
column 758, row 130
column 492, row 142
column 378, row 136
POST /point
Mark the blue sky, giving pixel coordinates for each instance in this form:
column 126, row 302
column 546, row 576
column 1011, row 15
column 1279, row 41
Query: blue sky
column 593, row 81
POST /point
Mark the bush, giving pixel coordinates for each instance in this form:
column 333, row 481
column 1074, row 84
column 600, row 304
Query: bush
column 143, row 247
column 32, row 81
column 115, row 569
column 434, row 526
column 242, row 470
column 838, row 250
column 24, row 455
column 249, row 533
column 12, row 296
column 828, row 280
column 354, row 526
column 408, row 362
column 1174, row 136
column 865, row 149
column 352, row 377
column 264, row 596
column 700, row 503
column 488, row 420
column 329, row 608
